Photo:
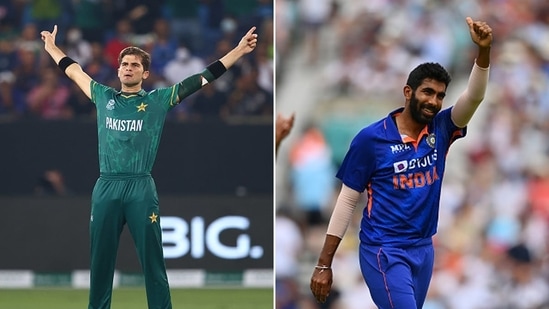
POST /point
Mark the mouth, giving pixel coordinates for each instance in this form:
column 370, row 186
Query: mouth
column 430, row 112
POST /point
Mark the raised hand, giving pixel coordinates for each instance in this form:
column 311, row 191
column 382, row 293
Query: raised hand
column 49, row 37
column 248, row 42
column 480, row 31
column 284, row 126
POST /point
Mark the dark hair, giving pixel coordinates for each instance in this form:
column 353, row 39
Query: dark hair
column 520, row 254
column 429, row 70
column 143, row 55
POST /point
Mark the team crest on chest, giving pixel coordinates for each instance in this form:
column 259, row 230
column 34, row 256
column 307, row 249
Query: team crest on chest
column 142, row 107
column 110, row 105
column 431, row 139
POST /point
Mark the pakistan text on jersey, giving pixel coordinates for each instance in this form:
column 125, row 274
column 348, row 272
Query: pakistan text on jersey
column 124, row 125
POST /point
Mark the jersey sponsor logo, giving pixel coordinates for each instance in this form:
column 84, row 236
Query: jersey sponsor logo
column 403, row 166
column 124, row 125
column 110, row 105
column 400, row 166
column 407, row 178
column 400, row 148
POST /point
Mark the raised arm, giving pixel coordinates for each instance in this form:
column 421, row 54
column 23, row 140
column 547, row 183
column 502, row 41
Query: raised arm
column 217, row 68
column 72, row 69
column 467, row 103
column 245, row 46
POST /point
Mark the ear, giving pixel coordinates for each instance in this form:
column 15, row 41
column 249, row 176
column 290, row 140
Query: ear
column 407, row 91
column 146, row 74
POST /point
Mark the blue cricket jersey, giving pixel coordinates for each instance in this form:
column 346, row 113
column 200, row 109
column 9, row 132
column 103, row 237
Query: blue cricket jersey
column 402, row 178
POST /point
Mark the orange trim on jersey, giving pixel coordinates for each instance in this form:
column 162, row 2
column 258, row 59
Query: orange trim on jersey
column 456, row 133
column 384, row 275
column 415, row 142
column 408, row 139
column 369, row 203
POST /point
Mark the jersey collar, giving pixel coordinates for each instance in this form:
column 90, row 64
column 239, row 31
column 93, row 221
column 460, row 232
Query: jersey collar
column 140, row 93
column 392, row 129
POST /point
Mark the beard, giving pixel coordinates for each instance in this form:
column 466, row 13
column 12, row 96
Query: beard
column 416, row 111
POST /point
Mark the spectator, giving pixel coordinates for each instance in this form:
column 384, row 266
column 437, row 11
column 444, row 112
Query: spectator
column 98, row 67
column 122, row 38
column 248, row 98
column 27, row 76
column 28, row 40
column 207, row 104
column 77, row 47
column 184, row 64
column 48, row 99
column 312, row 175
column 163, row 48
column 80, row 106
column 92, row 18
column 8, row 57
column 188, row 20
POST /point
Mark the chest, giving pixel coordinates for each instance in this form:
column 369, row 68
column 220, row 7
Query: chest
column 407, row 157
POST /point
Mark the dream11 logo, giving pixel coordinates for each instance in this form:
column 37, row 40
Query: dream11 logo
column 180, row 238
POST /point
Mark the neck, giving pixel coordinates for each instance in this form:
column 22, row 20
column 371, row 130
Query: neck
column 408, row 126
column 131, row 89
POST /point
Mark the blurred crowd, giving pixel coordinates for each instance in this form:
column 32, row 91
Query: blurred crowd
column 492, row 241
column 183, row 37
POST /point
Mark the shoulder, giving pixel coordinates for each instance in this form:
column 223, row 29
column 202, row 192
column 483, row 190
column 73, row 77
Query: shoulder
column 97, row 87
column 445, row 114
column 372, row 130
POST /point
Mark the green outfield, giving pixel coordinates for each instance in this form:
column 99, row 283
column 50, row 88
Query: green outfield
column 134, row 298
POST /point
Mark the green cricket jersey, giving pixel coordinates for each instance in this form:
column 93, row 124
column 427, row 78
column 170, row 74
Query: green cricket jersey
column 129, row 126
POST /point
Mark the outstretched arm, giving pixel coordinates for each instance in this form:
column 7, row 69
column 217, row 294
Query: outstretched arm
column 73, row 70
column 246, row 45
column 214, row 70
column 467, row 103
column 321, row 280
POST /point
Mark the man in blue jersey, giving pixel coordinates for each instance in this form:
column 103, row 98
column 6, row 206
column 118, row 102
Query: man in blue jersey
column 399, row 161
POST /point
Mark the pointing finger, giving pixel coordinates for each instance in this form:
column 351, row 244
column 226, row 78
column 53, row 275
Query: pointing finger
column 469, row 21
column 251, row 31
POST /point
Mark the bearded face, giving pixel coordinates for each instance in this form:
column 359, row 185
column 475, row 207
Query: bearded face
column 426, row 102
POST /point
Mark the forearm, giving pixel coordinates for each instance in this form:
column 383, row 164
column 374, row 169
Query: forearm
column 343, row 211
column 232, row 57
column 473, row 95
column 329, row 249
column 55, row 53
column 73, row 70
column 339, row 222
column 483, row 57
column 194, row 83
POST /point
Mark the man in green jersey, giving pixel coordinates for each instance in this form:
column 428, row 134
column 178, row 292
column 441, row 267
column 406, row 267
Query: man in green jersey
column 129, row 123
